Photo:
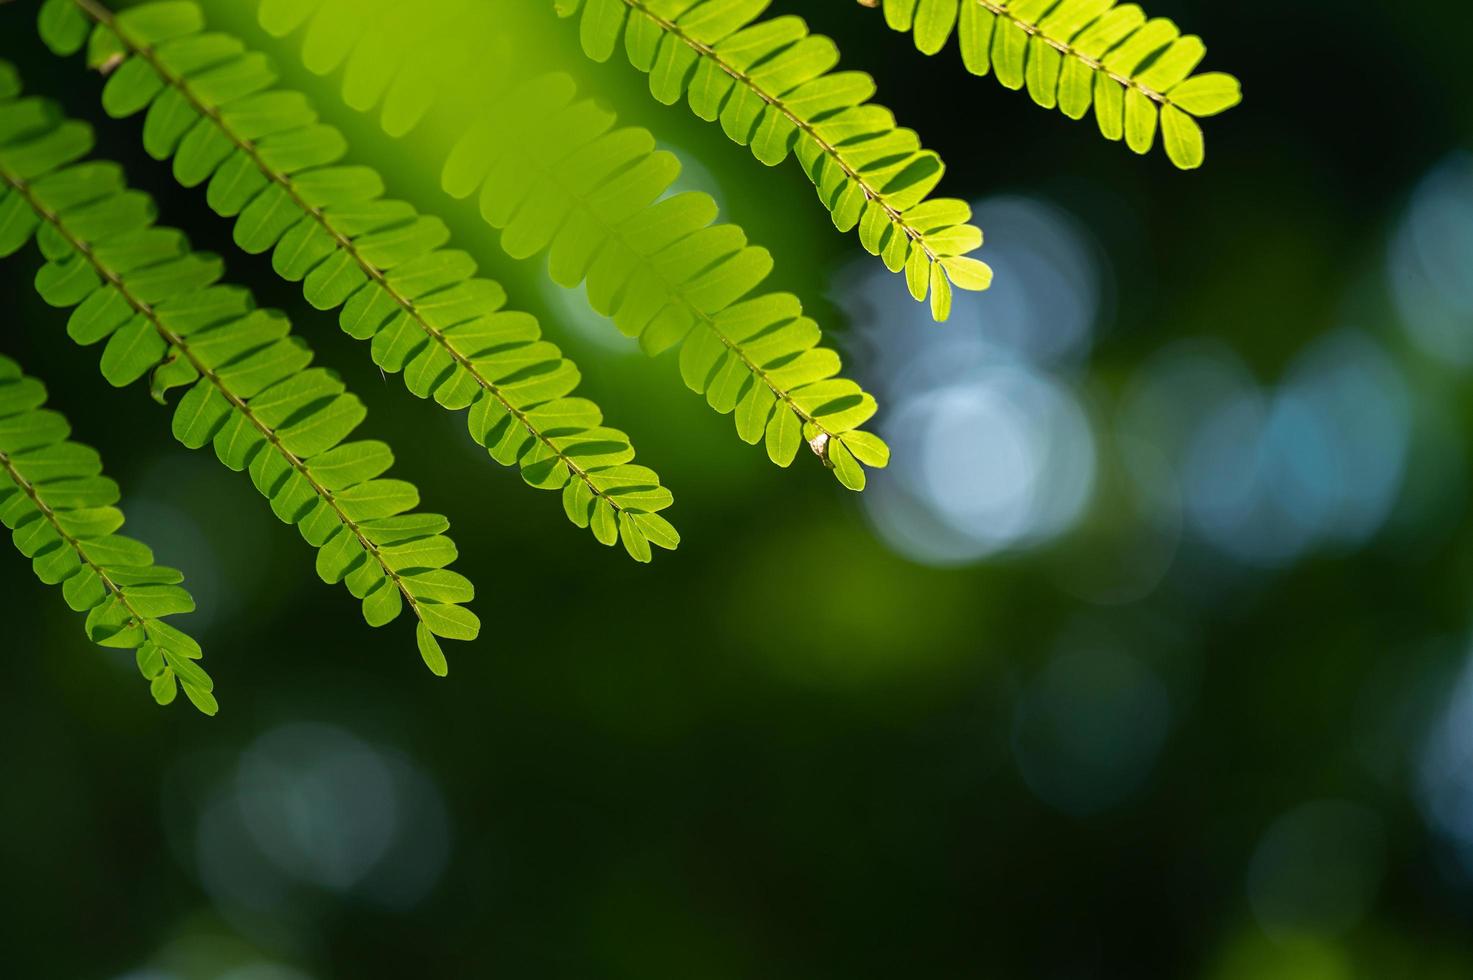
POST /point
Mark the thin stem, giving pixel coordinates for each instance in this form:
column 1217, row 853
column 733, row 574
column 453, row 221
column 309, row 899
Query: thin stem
column 1064, row 48
column 706, row 51
column 178, row 343
column 104, row 16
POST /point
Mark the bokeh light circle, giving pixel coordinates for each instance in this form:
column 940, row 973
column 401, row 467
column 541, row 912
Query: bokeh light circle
column 1429, row 260
column 1088, row 729
column 1267, row 473
column 1002, row 462
column 991, row 447
column 1316, row 870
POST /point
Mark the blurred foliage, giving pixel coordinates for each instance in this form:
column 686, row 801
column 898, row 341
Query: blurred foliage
column 810, row 756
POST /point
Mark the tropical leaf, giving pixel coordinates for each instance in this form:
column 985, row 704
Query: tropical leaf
column 556, row 174
column 1137, row 72
column 252, row 392
column 774, row 87
column 62, row 515
column 215, row 109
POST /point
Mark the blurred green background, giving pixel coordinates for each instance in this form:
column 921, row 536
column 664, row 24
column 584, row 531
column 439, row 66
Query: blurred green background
column 1147, row 657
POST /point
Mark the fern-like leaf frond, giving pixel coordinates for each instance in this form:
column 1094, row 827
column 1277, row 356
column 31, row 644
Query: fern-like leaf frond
column 61, row 512
column 554, row 174
column 1136, row 72
column 253, row 393
column 213, row 107
column 773, row 87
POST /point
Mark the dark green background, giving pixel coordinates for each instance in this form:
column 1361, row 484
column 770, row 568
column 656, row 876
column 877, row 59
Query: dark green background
column 784, row 751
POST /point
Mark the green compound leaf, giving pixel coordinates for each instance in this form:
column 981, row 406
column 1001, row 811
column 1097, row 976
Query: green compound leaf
column 61, row 514
column 251, row 390
column 1135, row 71
column 774, row 87
column 654, row 264
column 213, row 107
column 558, row 175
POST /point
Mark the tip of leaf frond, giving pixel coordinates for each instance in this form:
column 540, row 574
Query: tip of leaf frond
column 203, row 700
column 429, row 650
